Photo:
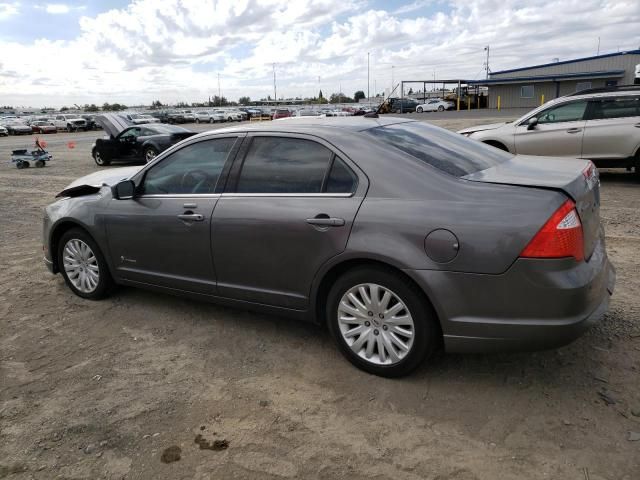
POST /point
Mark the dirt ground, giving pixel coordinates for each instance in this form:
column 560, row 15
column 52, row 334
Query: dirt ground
column 114, row 389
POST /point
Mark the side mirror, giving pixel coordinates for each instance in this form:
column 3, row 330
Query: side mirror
column 123, row 190
column 532, row 122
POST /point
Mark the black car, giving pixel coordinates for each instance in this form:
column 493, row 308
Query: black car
column 136, row 143
column 402, row 105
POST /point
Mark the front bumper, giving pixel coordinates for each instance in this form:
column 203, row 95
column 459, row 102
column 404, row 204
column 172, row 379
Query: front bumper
column 535, row 305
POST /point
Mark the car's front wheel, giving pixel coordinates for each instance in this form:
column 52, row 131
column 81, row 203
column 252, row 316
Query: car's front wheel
column 419, row 110
column 381, row 321
column 149, row 154
column 83, row 266
column 99, row 159
column 197, row 120
column 441, row 108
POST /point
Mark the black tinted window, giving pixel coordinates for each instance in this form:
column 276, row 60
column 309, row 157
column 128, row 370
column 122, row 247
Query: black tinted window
column 341, row 179
column 615, row 108
column 192, row 169
column 447, row 151
column 283, row 165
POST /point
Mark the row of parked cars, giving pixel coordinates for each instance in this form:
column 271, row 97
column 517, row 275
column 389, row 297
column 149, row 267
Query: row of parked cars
column 14, row 125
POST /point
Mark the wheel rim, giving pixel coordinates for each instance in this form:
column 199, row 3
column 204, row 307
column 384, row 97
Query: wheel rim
column 376, row 324
column 150, row 155
column 81, row 265
column 98, row 158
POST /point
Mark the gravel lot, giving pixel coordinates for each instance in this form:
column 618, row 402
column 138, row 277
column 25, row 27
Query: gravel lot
column 102, row 389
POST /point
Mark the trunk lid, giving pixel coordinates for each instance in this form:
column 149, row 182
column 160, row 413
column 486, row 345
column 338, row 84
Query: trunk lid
column 578, row 179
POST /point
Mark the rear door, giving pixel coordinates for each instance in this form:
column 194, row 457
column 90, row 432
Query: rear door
column 612, row 128
column 558, row 133
column 163, row 235
column 288, row 208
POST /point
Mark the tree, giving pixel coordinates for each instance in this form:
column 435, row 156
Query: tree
column 359, row 95
column 156, row 104
column 339, row 98
column 320, row 95
column 410, row 91
column 244, row 100
column 64, row 109
column 91, row 108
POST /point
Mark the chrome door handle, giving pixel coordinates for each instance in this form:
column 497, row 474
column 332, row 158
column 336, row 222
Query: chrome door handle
column 191, row 217
column 574, row 130
column 326, row 221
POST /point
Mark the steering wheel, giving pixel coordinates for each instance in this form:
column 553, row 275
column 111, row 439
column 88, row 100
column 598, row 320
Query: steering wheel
column 193, row 180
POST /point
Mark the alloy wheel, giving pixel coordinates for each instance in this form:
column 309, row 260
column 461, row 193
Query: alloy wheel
column 81, row 265
column 376, row 324
column 149, row 155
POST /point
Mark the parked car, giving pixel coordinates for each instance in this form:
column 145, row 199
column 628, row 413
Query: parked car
column 91, row 122
column 140, row 118
column 175, row 117
column 15, row 127
column 398, row 235
column 3, row 132
column 435, row 105
column 281, row 113
column 229, row 115
column 602, row 126
column 209, row 117
column 70, row 122
column 402, row 105
column 139, row 143
column 41, row 126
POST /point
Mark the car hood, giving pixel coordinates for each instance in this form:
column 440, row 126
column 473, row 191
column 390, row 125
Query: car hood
column 112, row 123
column 92, row 183
column 479, row 128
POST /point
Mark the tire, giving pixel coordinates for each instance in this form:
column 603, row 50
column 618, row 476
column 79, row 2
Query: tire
column 211, row 120
column 403, row 295
column 100, row 161
column 150, row 153
column 103, row 285
column 20, row 165
column 69, row 128
column 197, row 120
column 419, row 110
column 636, row 168
column 441, row 108
column 39, row 163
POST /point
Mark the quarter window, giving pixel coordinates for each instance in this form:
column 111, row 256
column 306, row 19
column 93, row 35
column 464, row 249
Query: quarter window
column 284, row 165
column 193, row 169
column 615, row 108
column 569, row 112
column 341, row 179
column 526, row 91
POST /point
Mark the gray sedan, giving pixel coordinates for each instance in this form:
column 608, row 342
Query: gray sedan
column 399, row 236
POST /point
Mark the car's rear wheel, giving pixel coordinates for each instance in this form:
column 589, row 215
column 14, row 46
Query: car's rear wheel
column 83, row 266
column 99, row 159
column 441, row 108
column 39, row 163
column 150, row 153
column 419, row 110
column 211, row 120
column 197, row 120
column 381, row 322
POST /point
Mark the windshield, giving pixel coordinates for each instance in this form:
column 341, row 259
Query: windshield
column 447, row 151
column 163, row 128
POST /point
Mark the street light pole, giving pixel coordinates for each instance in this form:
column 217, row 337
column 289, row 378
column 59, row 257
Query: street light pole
column 487, row 64
column 219, row 95
column 368, row 95
column 275, row 91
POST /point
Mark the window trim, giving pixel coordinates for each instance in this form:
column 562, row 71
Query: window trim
column 236, row 168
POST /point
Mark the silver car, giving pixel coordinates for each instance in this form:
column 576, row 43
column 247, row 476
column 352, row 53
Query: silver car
column 602, row 126
column 398, row 236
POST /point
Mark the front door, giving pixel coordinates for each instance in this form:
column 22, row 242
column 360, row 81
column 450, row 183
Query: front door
column 163, row 235
column 288, row 210
column 558, row 133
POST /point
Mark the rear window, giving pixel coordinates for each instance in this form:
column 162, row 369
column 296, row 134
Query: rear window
column 447, row 151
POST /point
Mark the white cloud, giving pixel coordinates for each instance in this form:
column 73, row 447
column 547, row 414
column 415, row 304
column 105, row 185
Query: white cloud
column 173, row 49
column 8, row 10
column 57, row 8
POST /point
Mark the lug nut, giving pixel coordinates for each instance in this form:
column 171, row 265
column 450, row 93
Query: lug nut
column 384, row 327
column 370, row 314
column 376, row 332
column 367, row 323
column 381, row 315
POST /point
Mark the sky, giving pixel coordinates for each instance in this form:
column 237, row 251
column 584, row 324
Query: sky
column 135, row 51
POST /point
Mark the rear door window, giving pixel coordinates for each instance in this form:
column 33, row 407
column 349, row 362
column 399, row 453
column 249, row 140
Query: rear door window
column 617, row 107
column 447, row 151
column 284, row 165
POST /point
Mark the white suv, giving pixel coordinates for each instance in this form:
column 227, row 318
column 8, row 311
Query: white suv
column 602, row 125
column 70, row 123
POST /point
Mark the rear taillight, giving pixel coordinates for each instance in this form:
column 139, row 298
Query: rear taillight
column 560, row 237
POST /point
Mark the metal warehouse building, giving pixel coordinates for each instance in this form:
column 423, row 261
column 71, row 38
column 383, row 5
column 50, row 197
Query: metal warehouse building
column 525, row 87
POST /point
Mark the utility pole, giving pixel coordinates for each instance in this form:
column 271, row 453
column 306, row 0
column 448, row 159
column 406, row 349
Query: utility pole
column 391, row 78
column 368, row 96
column 598, row 46
column 275, row 91
column 487, row 64
column 340, row 92
column 219, row 94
